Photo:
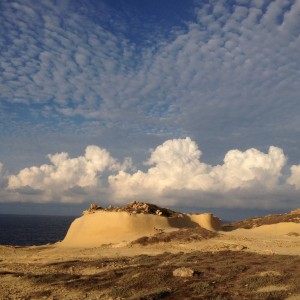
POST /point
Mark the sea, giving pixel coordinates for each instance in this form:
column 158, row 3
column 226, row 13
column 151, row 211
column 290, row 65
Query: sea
column 27, row 230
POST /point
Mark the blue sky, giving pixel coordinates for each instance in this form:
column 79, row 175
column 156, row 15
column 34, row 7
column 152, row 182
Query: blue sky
column 133, row 76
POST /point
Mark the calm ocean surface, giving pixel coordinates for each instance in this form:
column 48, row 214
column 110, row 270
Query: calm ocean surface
column 25, row 230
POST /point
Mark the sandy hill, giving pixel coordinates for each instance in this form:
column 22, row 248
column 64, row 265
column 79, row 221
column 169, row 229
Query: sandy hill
column 100, row 226
column 142, row 251
column 145, row 223
column 290, row 217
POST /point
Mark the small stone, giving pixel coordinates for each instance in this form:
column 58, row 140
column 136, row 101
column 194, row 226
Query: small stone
column 240, row 247
column 93, row 207
column 183, row 272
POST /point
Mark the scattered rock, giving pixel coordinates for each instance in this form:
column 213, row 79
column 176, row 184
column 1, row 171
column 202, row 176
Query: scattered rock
column 183, row 272
column 295, row 212
column 93, row 207
column 135, row 208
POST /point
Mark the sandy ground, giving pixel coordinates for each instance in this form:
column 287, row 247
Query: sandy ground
column 21, row 268
column 266, row 239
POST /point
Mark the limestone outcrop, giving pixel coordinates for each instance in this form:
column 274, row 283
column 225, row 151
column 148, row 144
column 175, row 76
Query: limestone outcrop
column 117, row 224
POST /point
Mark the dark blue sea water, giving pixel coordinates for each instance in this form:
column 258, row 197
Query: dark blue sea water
column 26, row 230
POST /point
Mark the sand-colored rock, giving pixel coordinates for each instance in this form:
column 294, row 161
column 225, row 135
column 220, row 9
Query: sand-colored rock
column 106, row 227
column 183, row 272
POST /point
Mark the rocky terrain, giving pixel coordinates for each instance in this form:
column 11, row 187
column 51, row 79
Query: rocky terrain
column 135, row 208
column 182, row 275
column 293, row 216
column 261, row 262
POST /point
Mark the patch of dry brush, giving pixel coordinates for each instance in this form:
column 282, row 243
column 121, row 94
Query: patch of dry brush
column 182, row 235
column 219, row 275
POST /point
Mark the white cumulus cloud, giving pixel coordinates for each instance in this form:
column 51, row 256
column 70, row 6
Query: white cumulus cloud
column 174, row 175
column 294, row 179
column 176, row 166
column 251, row 168
column 3, row 175
column 66, row 176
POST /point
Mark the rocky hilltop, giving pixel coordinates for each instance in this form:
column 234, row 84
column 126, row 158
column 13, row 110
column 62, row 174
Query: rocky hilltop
column 118, row 224
column 135, row 207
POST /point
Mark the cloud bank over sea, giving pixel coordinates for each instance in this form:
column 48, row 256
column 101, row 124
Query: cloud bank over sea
column 173, row 175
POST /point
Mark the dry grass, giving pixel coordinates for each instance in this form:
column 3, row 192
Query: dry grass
column 219, row 275
column 296, row 234
column 182, row 235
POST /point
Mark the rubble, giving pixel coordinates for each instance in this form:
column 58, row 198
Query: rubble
column 135, row 207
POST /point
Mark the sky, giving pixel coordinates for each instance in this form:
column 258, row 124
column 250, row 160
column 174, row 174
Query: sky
column 190, row 104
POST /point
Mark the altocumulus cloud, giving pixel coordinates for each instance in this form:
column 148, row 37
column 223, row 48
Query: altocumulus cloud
column 242, row 54
column 175, row 175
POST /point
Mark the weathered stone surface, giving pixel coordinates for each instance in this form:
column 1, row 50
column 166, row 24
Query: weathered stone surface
column 93, row 207
column 183, row 272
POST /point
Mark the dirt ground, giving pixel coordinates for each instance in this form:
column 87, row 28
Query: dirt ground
column 237, row 264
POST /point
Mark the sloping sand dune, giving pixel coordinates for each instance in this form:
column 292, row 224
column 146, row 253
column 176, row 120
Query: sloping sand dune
column 103, row 227
column 273, row 230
